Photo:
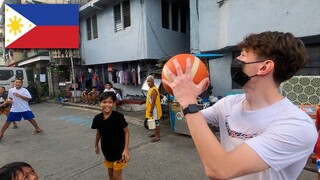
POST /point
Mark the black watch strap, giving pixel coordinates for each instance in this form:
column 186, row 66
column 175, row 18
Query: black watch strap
column 191, row 108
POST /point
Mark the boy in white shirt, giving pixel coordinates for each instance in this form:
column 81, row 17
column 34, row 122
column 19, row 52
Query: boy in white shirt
column 19, row 97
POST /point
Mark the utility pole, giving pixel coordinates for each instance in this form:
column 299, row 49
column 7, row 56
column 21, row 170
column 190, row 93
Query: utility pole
column 50, row 76
column 73, row 77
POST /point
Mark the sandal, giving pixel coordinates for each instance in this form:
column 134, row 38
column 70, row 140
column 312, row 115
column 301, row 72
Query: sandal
column 152, row 136
column 15, row 127
column 155, row 140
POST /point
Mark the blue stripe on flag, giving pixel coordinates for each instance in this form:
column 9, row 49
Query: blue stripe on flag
column 49, row 14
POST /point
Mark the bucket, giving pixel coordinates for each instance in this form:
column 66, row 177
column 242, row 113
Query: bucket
column 151, row 124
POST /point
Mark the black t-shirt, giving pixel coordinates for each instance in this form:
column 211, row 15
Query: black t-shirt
column 111, row 133
column 3, row 98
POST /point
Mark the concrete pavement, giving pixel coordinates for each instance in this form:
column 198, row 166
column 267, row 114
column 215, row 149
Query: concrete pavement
column 65, row 149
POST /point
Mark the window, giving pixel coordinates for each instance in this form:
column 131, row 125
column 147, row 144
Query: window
column 95, row 26
column 183, row 17
column 126, row 14
column 165, row 14
column 313, row 65
column 117, row 18
column 19, row 74
column 174, row 16
column 89, row 29
column 6, row 74
column 92, row 27
column 122, row 18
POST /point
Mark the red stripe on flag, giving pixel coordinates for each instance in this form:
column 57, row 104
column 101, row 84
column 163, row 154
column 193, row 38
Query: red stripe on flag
column 49, row 37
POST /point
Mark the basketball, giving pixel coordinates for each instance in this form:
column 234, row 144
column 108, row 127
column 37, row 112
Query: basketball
column 198, row 69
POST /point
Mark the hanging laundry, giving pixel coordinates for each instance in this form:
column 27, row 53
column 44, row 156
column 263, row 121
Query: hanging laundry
column 138, row 73
column 134, row 77
column 114, row 76
column 121, row 77
column 80, row 77
column 126, row 77
column 94, row 80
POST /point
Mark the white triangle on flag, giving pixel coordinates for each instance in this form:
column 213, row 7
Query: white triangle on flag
column 16, row 25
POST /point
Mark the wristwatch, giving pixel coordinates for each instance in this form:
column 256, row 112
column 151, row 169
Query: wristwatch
column 190, row 109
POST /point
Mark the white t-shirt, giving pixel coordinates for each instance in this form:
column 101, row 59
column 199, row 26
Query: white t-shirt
column 109, row 90
column 281, row 134
column 19, row 105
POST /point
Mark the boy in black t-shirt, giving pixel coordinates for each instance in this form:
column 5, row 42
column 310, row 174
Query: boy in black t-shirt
column 113, row 131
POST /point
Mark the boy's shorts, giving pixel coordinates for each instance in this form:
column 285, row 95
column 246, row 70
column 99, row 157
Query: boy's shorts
column 116, row 165
column 16, row 116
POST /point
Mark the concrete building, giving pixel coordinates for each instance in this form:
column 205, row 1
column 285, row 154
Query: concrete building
column 217, row 26
column 131, row 36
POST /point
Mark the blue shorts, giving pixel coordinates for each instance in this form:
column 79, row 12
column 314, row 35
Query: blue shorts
column 16, row 116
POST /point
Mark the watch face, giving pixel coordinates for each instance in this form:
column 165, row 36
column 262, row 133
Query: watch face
column 194, row 108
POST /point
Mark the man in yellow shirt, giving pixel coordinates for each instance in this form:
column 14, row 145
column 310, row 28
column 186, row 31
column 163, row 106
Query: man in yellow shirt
column 153, row 107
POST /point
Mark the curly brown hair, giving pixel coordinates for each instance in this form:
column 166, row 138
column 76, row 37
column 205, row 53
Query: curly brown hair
column 287, row 52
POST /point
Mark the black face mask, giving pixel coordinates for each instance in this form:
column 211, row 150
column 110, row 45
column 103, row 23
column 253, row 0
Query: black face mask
column 237, row 74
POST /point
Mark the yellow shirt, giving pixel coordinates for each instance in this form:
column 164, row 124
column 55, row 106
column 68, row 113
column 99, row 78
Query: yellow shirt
column 157, row 111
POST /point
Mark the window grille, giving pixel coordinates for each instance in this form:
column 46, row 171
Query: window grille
column 95, row 26
column 89, row 29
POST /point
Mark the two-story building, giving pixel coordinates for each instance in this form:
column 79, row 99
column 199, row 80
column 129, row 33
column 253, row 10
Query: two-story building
column 122, row 40
column 217, row 27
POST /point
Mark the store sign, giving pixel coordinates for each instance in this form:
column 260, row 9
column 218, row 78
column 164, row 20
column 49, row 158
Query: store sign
column 179, row 116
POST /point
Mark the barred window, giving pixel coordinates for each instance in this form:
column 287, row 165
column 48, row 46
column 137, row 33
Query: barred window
column 117, row 17
column 174, row 15
column 89, row 29
column 126, row 14
column 122, row 17
column 95, row 26
column 165, row 14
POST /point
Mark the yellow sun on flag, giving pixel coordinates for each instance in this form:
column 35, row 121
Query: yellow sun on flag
column 15, row 25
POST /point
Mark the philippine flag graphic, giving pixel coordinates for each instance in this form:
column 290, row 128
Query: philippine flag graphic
column 41, row 26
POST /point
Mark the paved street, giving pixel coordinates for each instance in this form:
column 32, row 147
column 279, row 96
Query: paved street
column 65, row 149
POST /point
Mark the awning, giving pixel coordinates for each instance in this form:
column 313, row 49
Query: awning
column 32, row 60
column 209, row 56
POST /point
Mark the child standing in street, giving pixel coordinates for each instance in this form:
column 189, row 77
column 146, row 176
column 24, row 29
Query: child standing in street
column 19, row 98
column 113, row 131
column 5, row 106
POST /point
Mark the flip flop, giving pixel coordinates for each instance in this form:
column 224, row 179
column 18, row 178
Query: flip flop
column 152, row 136
column 15, row 127
column 155, row 140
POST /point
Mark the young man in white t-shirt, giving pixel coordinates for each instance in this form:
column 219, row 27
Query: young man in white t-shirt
column 263, row 135
column 19, row 97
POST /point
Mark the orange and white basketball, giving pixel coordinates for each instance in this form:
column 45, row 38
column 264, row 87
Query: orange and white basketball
column 198, row 70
